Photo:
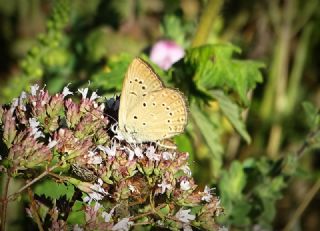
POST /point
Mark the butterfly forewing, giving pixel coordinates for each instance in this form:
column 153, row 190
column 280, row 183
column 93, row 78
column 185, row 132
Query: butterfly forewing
column 140, row 80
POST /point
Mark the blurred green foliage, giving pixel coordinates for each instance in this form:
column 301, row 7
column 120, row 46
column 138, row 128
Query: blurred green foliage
column 96, row 41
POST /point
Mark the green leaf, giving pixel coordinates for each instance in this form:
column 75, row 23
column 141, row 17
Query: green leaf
column 232, row 112
column 112, row 77
column 77, row 214
column 43, row 211
column 215, row 68
column 172, row 28
column 210, row 135
column 233, row 181
column 269, row 191
column 240, row 213
column 184, row 143
column 165, row 210
column 96, row 44
column 53, row 190
column 312, row 114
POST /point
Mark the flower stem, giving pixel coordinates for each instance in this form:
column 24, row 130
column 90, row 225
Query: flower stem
column 5, row 202
column 34, row 181
column 307, row 199
column 34, row 210
column 275, row 98
column 208, row 16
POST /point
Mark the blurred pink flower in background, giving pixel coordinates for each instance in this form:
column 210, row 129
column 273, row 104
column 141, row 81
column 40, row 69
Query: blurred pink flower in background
column 165, row 53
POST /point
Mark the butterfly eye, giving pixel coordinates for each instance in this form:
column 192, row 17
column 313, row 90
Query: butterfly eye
column 140, row 82
column 170, row 114
column 163, row 104
column 143, row 87
column 144, row 104
column 169, row 121
column 144, row 124
column 135, row 117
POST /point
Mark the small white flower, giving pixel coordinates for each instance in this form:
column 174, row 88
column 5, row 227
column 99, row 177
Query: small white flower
column 184, row 216
column 34, row 128
column 185, row 185
column 77, row 228
column 110, row 151
column 167, row 156
column 94, row 158
column 91, row 154
column 107, row 216
column 223, row 228
column 186, row 170
column 97, row 194
column 102, row 106
column 84, row 92
column 52, row 143
column 87, row 199
column 131, row 153
column 18, row 102
column 66, row 91
column 160, row 223
column 123, row 225
column 117, row 132
column 23, row 95
column 138, row 152
column 150, row 153
column 132, row 188
column 186, row 227
column 207, row 194
column 34, row 89
column 94, row 96
column 15, row 103
column 97, row 206
column 100, row 181
column 164, row 186
column 43, row 103
column 33, row 122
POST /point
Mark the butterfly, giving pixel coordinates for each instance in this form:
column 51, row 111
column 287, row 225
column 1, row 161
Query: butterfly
column 149, row 111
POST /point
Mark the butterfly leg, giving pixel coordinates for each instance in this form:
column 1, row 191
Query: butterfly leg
column 166, row 144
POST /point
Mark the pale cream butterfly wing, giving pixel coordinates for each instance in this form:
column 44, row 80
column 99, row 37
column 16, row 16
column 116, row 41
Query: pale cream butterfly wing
column 139, row 81
column 152, row 112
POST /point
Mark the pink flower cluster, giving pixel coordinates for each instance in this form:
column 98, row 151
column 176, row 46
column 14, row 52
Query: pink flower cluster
column 124, row 184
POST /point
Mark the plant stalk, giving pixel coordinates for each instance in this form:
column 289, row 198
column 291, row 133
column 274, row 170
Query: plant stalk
column 207, row 18
column 4, row 200
column 279, row 76
column 302, row 207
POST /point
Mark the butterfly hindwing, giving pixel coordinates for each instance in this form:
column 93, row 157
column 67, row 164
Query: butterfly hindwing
column 159, row 115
